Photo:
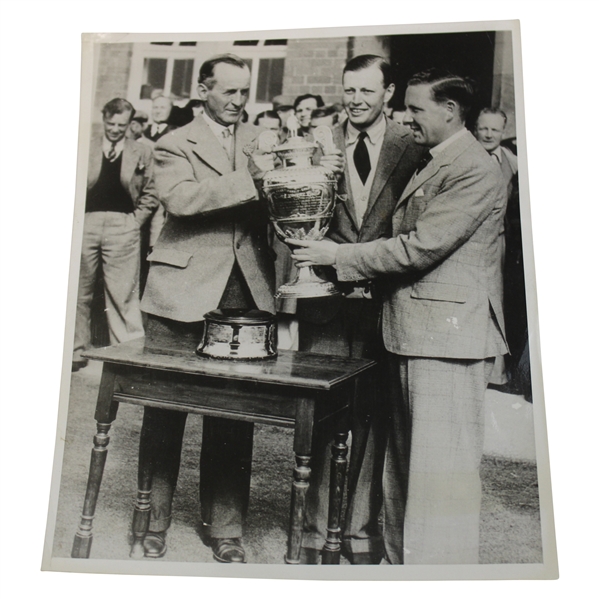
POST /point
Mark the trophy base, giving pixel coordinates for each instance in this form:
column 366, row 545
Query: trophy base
column 307, row 284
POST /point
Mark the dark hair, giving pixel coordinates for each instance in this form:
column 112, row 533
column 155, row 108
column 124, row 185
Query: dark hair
column 489, row 110
column 324, row 111
column 447, row 86
column 267, row 114
column 367, row 60
column 207, row 68
column 300, row 99
column 117, row 106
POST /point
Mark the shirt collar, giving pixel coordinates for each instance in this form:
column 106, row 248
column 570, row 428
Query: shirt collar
column 160, row 127
column 217, row 128
column 444, row 144
column 107, row 144
column 374, row 133
column 497, row 152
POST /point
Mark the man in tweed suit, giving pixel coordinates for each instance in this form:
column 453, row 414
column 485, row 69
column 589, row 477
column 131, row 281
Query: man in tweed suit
column 212, row 253
column 379, row 161
column 442, row 325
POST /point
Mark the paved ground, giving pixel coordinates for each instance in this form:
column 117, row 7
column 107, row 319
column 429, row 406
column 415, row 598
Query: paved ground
column 510, row 523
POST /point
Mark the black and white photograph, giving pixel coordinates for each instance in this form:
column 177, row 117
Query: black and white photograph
column 303, row 332
column 351, row 273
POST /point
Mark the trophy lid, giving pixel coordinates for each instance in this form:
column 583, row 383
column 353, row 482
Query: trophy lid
column 239, row 316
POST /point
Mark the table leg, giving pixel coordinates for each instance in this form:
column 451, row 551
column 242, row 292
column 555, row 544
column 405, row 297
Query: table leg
column 106, row 410
column 299, row 488
column 141, row 510
column 332, row 547
column 83, row 537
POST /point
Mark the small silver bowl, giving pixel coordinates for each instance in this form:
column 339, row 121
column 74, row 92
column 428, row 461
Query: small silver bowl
column 232, row 334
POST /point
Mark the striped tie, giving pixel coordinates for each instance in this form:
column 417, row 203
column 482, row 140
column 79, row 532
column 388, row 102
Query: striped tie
column 112, row 152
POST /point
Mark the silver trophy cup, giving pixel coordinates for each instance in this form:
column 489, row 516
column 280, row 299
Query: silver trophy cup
column 301, row 201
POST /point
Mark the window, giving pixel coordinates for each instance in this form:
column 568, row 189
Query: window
column 182, row 78
column 270, row 79
column 154, row 77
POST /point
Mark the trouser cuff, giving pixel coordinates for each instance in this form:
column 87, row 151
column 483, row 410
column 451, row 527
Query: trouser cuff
column 161, row 525
column 223, row 532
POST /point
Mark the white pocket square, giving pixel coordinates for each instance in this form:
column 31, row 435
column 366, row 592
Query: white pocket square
column 419, row 193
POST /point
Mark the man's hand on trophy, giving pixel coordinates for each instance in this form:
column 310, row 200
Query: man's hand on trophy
column 334, row 161
column 313, row 253
column 261, row 158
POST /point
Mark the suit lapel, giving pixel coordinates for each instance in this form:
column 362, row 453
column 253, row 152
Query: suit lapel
column 392, row 150
column 129, row 163
column 244, row 135
column 344, row 184
column 446, row 157
column 207, row 147
column 95, row 161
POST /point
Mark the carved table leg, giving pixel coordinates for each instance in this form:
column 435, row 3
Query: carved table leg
column 141, row 511
column 83, row 537
column 299, row 488
column 106, row 410
column 332, row 547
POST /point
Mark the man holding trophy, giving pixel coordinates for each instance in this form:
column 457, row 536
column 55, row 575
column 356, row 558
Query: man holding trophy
column 379, row 161
column 212, row 253
column 442, row 325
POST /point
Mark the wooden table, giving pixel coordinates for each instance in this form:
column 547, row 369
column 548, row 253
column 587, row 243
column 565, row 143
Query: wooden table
column 307, row 392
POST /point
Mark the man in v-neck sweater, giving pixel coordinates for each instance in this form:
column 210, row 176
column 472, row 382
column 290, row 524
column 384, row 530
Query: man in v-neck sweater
column 119, row 200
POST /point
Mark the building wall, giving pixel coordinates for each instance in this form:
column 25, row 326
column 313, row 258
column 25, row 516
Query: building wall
column 503, row 80
column 369, row 45
column 313, row 66
column 112, row 79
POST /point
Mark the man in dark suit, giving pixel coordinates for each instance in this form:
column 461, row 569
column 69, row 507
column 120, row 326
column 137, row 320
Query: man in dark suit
column 379, row 161
column 118, row 203
column 442, row 325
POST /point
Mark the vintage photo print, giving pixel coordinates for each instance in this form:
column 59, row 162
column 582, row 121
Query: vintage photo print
column 302, row 320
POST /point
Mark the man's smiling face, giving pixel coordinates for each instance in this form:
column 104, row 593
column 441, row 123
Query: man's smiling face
column 364, row 96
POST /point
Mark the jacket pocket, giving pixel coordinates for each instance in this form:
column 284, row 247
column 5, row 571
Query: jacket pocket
column 442, row 292
column 171, row 257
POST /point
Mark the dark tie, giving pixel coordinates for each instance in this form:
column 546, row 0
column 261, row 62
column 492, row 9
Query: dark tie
column 424, row 161
column 362, row 158
column 112, row 152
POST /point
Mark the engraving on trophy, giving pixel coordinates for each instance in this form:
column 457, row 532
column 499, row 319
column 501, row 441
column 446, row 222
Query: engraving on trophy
column 301, row 200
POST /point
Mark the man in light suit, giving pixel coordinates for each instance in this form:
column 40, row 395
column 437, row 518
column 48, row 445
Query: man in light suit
column 213, row 252
column 442, row 325
column 379, row 161
column 118, row 203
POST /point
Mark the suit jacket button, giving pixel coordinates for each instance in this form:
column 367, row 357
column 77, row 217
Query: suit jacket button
column 238, row 245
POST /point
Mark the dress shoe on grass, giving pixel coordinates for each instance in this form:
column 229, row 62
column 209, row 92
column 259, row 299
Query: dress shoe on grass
column 155, row 544
column 228, row 551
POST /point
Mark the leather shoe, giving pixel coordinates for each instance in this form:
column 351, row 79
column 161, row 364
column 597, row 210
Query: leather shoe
column 155, row 544
column 228, row 551
column 78, row 365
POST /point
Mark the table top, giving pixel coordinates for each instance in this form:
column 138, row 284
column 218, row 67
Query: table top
column 300, row 369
